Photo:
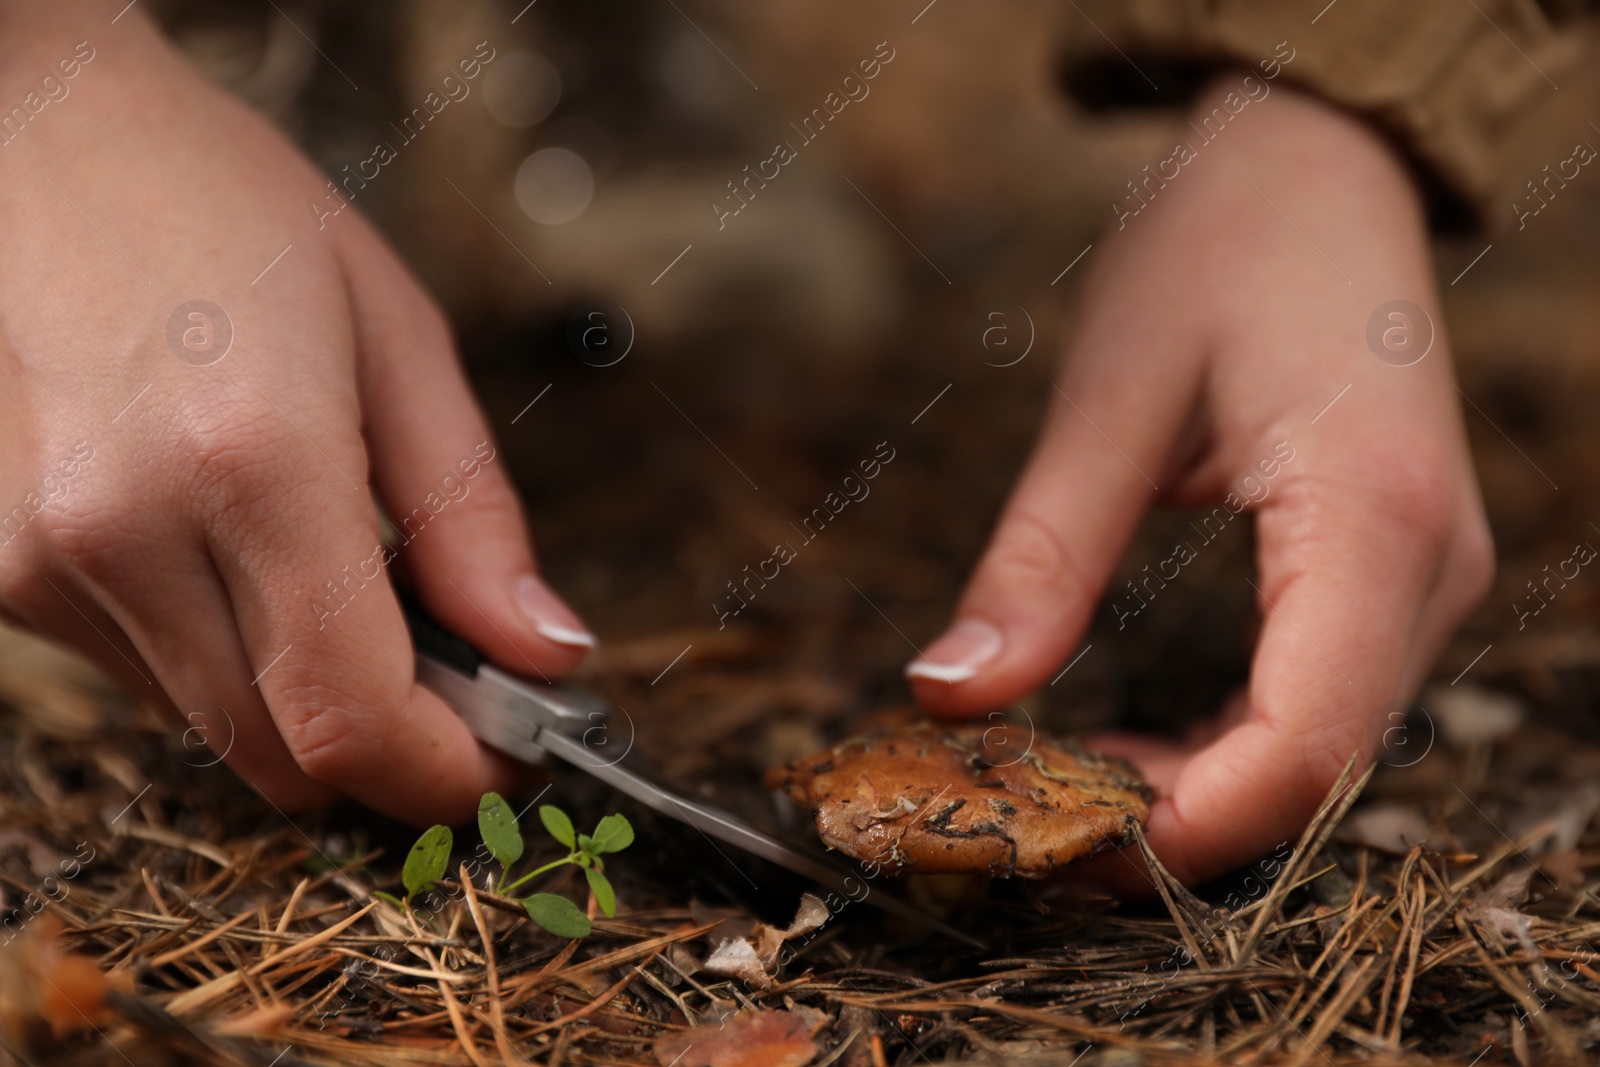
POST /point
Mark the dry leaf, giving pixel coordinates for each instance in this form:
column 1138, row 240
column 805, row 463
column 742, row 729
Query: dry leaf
column 1468, row 714
column 1505, row 927
column 811, row 915
column 749, row 1039
column 736, row 958
column 753, row 959
column 46, row 990
column 1574, row 814
column 1508, row 891
column 1389, row 827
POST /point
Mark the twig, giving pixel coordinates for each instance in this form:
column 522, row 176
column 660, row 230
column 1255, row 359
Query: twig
column 497, row 1011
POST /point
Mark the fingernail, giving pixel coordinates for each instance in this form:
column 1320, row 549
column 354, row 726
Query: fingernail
column 958, row 655
column 553, row 619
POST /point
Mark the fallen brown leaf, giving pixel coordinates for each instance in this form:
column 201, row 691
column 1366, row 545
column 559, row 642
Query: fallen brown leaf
column 46, row 990
column 749, row 1039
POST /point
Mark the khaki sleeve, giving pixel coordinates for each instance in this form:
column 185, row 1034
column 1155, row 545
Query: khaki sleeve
column 1481, row 94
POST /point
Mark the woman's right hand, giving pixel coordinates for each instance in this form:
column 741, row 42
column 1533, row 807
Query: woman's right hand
column 203, row 375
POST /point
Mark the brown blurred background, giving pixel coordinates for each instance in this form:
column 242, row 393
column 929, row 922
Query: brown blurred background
column 577, row 180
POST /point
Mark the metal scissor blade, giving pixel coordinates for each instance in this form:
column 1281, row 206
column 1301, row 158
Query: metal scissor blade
column 713, row 822
column 505, row 711
column 525, row 719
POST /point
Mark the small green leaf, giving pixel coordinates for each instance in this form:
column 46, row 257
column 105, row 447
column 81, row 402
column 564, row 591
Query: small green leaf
column 555, row 820
column 586, row 844
column 558, row 915
column 427, row 860
column 613, row 834
column 603, row 893
column 388, row 898
column 499, row 829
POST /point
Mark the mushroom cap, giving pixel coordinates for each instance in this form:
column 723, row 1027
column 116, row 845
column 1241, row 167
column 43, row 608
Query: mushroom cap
column 996, row 800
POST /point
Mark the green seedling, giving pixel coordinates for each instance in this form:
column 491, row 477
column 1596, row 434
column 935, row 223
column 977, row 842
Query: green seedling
column 429, row 857
column 499, row 830
column 427, row 860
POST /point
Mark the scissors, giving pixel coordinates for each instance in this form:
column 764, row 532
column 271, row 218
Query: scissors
column 529, row 720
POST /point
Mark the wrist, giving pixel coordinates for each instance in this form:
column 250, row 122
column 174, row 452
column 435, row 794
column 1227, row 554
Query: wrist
column 1269, row 129
column 1253, row 151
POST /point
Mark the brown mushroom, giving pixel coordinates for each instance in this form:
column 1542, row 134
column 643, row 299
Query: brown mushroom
column 997, row 800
